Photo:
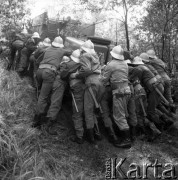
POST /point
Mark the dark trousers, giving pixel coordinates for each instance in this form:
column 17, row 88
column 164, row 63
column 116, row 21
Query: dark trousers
column 89, row 105
column 167, row 90
column 106, row 105
column 24, row 59
column 58, row 88
column 78, row 91
column 16, row 46
column 45, row 78
column 153, row 101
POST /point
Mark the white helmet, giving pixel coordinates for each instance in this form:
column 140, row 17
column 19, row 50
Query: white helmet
column 40, row 44
column 75, row 56
column 144, row 57
column 35, row 35
column 151, row 53
column 58, row 42
column 88, row 46
column 118, row 53
column 47, row 42
column 65, row 59
column 137, row 60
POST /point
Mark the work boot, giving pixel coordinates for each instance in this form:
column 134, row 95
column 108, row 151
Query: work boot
column 173, row 108
column 155, row 132
column 132, row 133
column 90, row 134
column 163, row 109
column 49, row 125
column 154, row 129
column 126, row 142
column 156, row 120
column 112, row 137
column 37, row 121
column 21, row 72
column 167, row 120
column 78, row 140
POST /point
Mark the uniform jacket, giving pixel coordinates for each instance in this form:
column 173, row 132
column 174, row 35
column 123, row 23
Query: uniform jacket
column 141, row 73
column 90, row 68
column 66, row 68
column 160, row 66
column 151, row 68
column 116, row 71
column 53, row 56
column 39, row 54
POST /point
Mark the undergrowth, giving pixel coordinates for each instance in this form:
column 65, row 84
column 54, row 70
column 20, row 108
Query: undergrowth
column 25, row 152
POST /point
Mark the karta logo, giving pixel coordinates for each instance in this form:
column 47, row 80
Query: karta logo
column 115, row 169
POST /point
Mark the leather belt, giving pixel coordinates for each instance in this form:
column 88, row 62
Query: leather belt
column 122, row 92
column 48, row 66
column 119, row 85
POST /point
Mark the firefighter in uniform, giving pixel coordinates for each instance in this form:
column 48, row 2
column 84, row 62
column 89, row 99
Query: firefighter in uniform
column 39, row 53
column 132, row 117
column 17, row 45
column 90, row 72
column 29, row 47
column 77, row 88
column 148, row 80
column 46, row 76
column 160, row 66
column 116, row 71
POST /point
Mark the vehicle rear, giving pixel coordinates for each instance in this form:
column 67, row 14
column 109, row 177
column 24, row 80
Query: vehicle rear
column 101, row 46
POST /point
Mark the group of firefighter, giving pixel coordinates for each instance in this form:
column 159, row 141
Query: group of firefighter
column 132, row 95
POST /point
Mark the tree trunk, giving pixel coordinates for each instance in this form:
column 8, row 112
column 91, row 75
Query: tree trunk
column 126, row 24
column 127, row 36
column 163, row 44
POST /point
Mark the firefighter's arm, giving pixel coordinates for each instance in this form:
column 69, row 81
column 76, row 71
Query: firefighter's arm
column 153, row 70
column 67, row 52
column 133, row 75
column 63, row 71
column 138, row 89
column 83, row 73
column 85, row 69
column 106, row 74
column 38, row 52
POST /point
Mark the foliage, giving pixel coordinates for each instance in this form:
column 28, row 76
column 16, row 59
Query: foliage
column 117, row 14
column 126, row 6
column 159, row 28
column 12, row 13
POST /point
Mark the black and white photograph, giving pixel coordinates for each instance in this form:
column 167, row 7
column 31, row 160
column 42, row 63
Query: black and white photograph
column 88, row 89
